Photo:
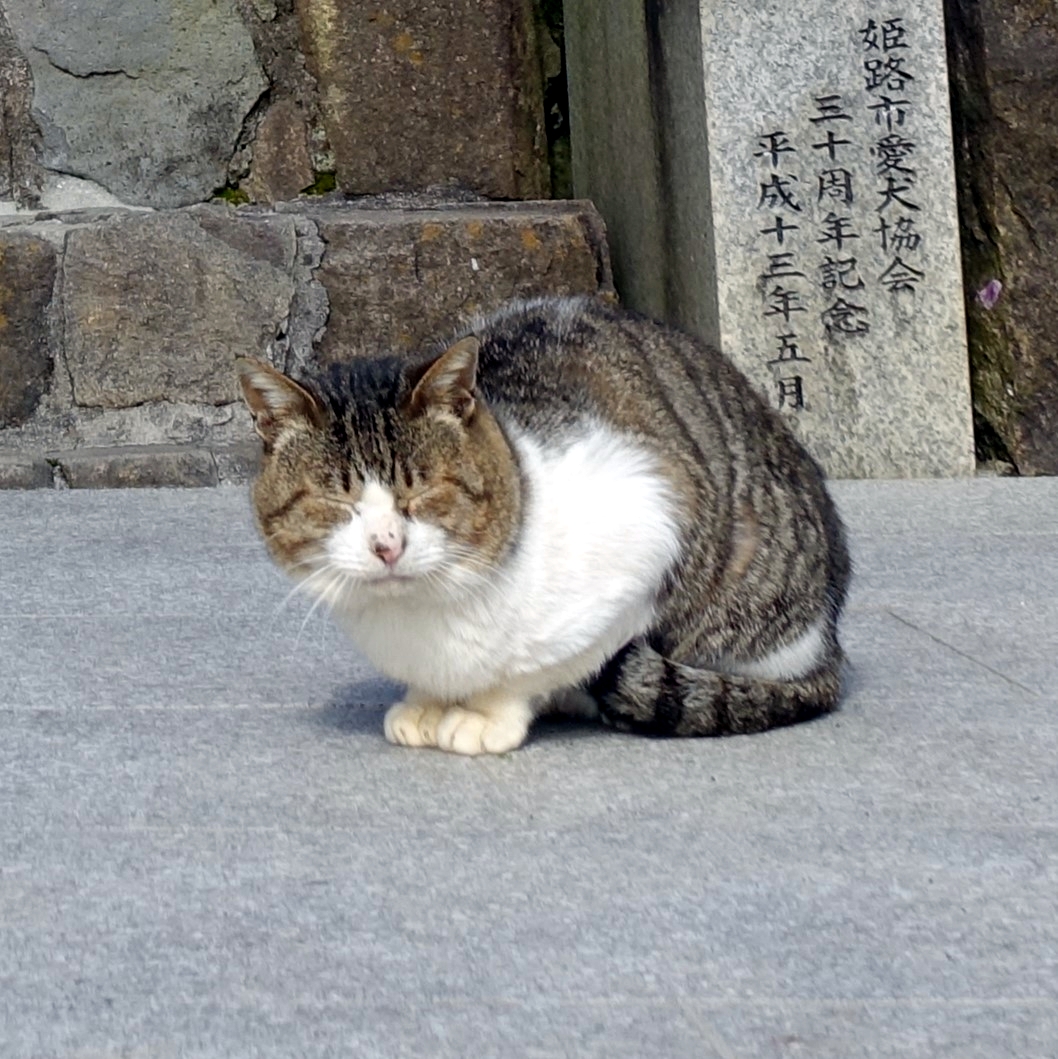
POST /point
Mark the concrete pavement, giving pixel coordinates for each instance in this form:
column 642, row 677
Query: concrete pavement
column 208, row 850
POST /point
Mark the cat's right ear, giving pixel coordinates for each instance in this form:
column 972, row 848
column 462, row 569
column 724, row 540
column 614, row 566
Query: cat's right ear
column 273, row 398
column 447, row 384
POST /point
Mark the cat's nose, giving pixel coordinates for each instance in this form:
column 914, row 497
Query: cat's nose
column 388, row 546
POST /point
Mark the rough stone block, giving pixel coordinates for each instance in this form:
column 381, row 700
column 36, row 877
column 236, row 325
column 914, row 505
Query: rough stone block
column 781, row 182
column 237, row 463
column 282, row 166
column 145, row 97
column 1005, row 94
column 137, row 466
column 27, row 278
column 20, row 177
column 399, row 279
column 158, row 305
column 18, row 471
column 423, row 92
column 155, row 306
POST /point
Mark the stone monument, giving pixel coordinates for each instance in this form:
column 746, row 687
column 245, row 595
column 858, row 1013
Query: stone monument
column 779, row 179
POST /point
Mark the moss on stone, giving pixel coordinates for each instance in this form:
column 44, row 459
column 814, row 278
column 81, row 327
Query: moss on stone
column 234, row 196
column 324, row 183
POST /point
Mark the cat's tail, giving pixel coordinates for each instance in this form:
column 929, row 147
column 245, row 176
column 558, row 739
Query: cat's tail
column 639, row 690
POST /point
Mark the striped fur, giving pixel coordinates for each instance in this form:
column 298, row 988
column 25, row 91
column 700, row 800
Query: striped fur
column 697, row 592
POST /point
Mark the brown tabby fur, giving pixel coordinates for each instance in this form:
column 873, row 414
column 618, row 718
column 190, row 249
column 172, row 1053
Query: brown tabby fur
column 763, row 555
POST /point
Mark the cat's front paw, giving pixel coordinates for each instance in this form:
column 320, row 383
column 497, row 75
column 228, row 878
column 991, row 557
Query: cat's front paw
column 464, row 731
column 413, row 722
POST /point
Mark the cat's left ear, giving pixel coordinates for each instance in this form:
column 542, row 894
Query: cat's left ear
column 448, row 384
column 273, row 398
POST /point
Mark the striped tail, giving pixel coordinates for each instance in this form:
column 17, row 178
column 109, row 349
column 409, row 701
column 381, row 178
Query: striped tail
column 639, row 690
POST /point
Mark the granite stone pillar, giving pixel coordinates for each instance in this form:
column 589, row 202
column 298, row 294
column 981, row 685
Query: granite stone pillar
column 779, row 180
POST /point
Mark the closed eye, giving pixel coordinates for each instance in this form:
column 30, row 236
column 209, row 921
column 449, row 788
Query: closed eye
column 344, row 501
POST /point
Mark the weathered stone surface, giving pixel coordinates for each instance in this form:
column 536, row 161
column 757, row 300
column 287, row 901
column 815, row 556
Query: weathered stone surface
column 783, row 185
column 255, row 235
column 134, row 467
column 282, row 167
column 20, row 177
column 18, row 471
column 398, row 280
column 288, row 144
column 422, row 92
column 1004, row 57
column 154, row 307
column 615, row 161
column 145, row 97
column 27, row 278
column 237, row 463
column 157, row 306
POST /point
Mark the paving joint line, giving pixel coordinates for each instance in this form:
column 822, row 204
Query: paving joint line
column 962, row 654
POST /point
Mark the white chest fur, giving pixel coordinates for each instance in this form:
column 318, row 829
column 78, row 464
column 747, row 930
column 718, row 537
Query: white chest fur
column 598, row 535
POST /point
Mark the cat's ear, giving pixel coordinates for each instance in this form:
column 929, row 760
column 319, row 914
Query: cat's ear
column 448, row 383
column 274, row 399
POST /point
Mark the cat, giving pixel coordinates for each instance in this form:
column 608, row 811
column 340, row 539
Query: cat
column 567, row 507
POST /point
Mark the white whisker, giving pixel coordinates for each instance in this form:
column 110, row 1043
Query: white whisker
column 321, row 597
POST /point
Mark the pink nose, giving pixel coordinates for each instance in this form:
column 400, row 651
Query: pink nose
column 389, row 547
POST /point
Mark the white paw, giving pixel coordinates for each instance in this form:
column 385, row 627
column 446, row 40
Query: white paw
column 466, row 732
column 413, row 723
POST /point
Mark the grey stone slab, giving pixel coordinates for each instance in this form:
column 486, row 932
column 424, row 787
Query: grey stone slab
column 157, row 306
column 180, row 659
column 1020, row 647
column 950, row 507
column 890, row 1030
column 27, row 278
column 24, row 472
column 798, row 177
column 151, row 105
column 963, row 568
column 169, row 561
column 137, row 466
column 349, row 904
column 208, row 849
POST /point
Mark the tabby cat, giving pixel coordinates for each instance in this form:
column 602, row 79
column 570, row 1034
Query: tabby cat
column 568, row 507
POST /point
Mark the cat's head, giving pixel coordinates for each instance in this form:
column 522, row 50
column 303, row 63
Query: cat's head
column 381, row 476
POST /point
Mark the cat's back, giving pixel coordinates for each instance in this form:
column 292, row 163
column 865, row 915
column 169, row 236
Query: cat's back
column 556, row 369
column 555, row 365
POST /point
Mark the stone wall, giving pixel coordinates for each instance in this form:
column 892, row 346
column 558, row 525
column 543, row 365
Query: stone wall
column 183, row 181
column 118, row 329
column 162, row 103
column 1004, row 61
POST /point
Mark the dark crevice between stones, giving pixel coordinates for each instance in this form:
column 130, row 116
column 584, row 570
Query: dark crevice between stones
column 58, row 475
column 551, row 34
column 654, row 12
column 595, row 237
column 1017, row 211
column 989, row 447
column 242, row 152
column 987, row 338
column 277, row 44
